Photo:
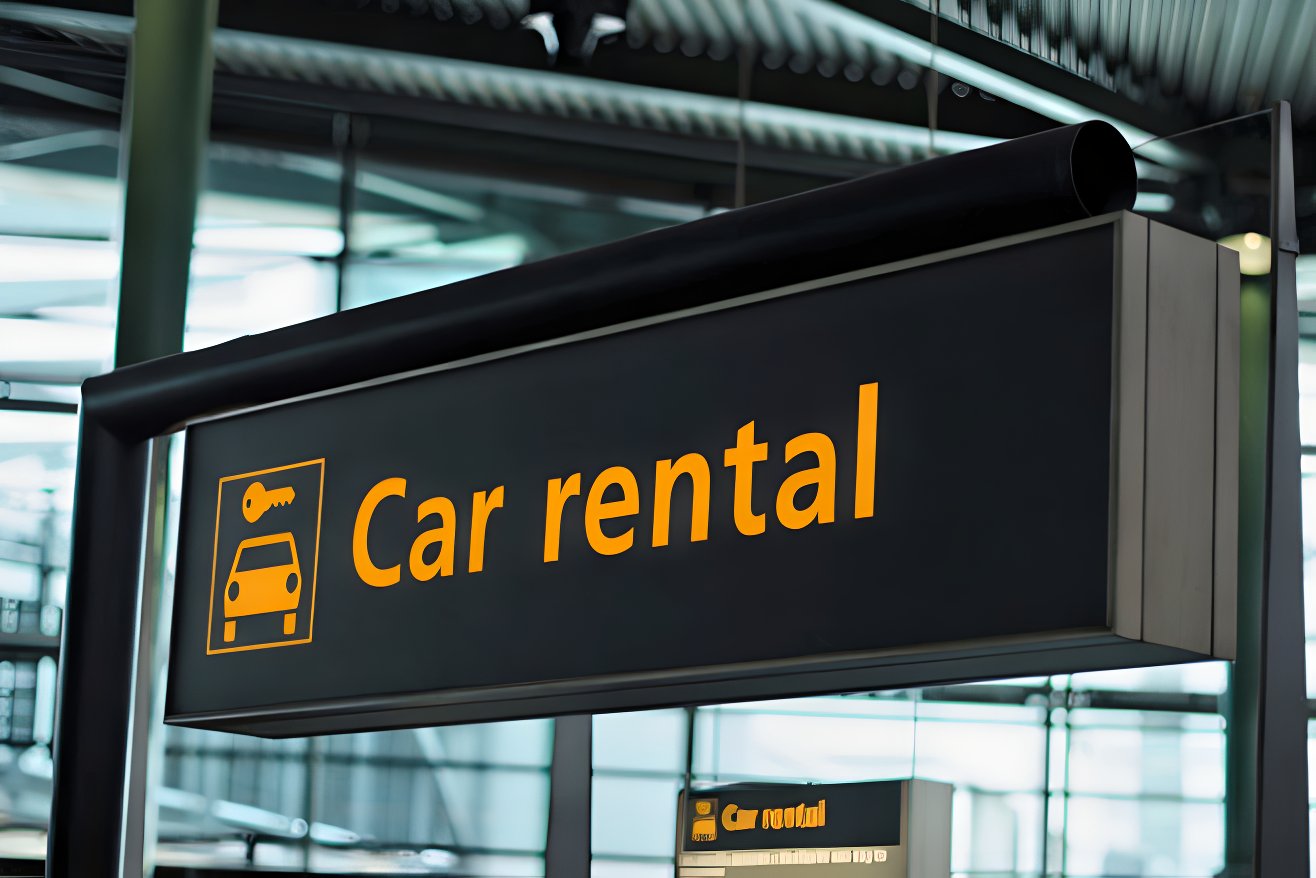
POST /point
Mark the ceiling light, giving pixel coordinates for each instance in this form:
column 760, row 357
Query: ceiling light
column 1253, row 252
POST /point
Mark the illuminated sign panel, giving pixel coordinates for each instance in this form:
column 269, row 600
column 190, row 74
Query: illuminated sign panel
column 924, row 472
column 861, row 830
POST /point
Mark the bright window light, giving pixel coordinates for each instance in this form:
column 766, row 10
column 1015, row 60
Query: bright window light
column 18, row 581
column 298, row 240
column 34, row 473
column 51, row 341
column 32, row 428
column 1154, row 202
column 1306, row 277
column 25, row 259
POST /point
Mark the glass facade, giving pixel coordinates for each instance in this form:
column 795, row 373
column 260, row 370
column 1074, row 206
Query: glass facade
column 1053, row 776
column 1089, row 774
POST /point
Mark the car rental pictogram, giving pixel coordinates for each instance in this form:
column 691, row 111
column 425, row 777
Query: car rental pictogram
column 267, row 535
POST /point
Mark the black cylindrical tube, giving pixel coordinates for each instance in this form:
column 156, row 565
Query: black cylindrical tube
column 1037, row 181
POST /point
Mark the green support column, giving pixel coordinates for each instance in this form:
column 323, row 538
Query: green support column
column 1266, row 822
column 1244, row 694
column 166, row 126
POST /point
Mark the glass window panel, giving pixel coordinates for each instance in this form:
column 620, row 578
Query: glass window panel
column 963, row 711
column 897, row 703
column 987, row 756
column 1149, row 837
column 498, row 810
column 527, row 742
column 37, row 456
column 217, row 787
column 1201, row 677
column 994, row 832
column 1059, row 750
column 422, row 789
column 1307, row 360
column 1311, row 760
column 605, row 868
column 739, row 745
column 1147, row 761
column 1311, row 831
column 19, row 582
column 58, row 264
column 1309, row 545
column 1014, row 681
column 416, row 228
column 634, row 816
column 1116, row 719
column 266, row 242
column 650, row 741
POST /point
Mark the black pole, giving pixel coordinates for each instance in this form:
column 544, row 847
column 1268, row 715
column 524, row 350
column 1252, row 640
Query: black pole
column 1281, row 780
column 165, row 129
column 95, row 666
column 567, row 849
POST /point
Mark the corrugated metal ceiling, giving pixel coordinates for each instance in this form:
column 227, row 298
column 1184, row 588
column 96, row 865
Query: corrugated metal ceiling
column 527, row 91
column 1217, row 57
column 1220, row 57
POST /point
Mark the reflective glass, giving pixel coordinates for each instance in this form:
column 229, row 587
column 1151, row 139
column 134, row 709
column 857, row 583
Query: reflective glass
column 265, row 246
column 418, row 228
column 1147, row 836
column 639, row 768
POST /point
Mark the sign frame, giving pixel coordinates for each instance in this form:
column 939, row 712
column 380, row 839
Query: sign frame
column 1166, row 556
column 917, row 847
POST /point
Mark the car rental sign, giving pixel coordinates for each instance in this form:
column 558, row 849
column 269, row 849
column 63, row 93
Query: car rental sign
column 930, row 471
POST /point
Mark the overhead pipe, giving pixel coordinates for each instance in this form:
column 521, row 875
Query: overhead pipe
column 1016, row 186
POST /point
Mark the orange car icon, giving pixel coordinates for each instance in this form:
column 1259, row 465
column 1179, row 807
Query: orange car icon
column 266, row 578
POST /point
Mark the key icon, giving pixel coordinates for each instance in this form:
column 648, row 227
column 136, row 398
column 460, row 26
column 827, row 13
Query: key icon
column 257, row 501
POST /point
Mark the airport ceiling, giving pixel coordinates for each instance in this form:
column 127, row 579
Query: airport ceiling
column 827, row 89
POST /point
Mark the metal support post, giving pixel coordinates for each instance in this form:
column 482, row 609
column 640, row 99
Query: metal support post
column 165, row 130
column 1282, row 813
column 1242, row 704
column 95, row 668
column 1266, row 787
column 567, row 854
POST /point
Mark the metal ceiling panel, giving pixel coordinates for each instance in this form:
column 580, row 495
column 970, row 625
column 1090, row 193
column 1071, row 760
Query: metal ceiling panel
column 1223, row 57
column 546, row 93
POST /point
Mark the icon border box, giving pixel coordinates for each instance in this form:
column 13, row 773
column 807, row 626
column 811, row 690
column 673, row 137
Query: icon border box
column 214, row 561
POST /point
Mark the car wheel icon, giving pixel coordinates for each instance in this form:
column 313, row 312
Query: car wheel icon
column 290, row 619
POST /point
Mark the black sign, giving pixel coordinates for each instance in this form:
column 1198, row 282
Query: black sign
column 813, row 491
column 747, row 817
